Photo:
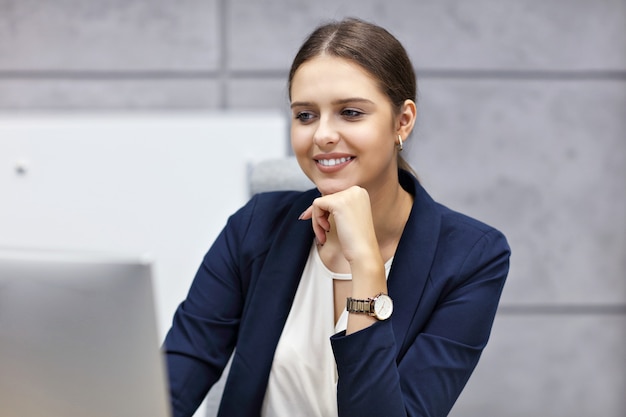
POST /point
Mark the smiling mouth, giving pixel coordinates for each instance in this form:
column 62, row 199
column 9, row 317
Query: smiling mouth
column 333, row 162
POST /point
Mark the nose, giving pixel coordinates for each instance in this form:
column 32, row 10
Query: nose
column 326, row 133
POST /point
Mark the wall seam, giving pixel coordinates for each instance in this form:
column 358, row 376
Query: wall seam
column 223, row 56
column 223, row 74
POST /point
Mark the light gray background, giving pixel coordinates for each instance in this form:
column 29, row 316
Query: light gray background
column 522, row 124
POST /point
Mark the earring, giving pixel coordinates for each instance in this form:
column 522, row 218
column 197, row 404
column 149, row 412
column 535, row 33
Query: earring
column 400, row 146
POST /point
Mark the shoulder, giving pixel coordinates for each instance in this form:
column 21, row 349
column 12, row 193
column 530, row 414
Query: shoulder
column 279, row 200
column 457, row 242
column 454, row 222
column 278, row 203
column 266, row 212
column 470, row 241
column 468, row 252
column 450, row 225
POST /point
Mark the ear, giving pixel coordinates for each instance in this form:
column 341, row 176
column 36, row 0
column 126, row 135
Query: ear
column 406, row 119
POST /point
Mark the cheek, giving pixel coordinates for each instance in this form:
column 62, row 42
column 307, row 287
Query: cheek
column 300, row 140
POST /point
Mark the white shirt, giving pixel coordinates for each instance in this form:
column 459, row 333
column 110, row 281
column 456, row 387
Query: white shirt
column 303, row 378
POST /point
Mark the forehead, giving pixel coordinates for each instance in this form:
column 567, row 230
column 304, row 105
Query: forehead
column 324, row 75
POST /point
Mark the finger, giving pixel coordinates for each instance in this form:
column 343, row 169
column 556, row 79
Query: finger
column 306, row 214
column 320, row 224
column 318, row 229
column 320, row 216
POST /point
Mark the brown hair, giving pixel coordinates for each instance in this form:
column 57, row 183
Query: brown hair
column 371, row 47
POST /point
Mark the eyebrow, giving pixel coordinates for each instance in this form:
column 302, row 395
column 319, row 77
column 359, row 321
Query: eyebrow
column 335, row 102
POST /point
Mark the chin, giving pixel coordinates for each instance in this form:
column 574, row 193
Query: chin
column 326, row 187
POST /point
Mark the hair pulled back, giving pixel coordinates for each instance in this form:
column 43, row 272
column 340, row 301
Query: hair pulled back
column 370, row 46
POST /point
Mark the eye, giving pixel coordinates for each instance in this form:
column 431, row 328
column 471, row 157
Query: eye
column 304, row 116
column 351, row 113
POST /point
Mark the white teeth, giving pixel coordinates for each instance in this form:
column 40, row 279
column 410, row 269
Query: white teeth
column 333, row 162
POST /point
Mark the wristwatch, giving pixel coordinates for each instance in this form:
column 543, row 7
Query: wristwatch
column 379, row 306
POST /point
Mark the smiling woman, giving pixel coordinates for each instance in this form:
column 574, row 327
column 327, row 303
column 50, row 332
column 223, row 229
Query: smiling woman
column 362, row 296
column 345, row 129
column 373, row 50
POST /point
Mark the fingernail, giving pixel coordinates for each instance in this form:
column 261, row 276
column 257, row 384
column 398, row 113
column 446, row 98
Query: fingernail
column 301, row 216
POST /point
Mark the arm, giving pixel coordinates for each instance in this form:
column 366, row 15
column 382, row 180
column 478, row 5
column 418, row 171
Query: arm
column 458, row 308
column 346, row 218
column 204, row 328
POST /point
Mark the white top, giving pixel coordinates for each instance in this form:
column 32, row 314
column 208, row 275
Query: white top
column 303, row 378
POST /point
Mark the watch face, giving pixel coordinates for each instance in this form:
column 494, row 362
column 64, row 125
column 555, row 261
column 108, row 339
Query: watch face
column 383, row 307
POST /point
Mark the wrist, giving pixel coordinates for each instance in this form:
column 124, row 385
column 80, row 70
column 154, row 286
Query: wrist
column 368, row 265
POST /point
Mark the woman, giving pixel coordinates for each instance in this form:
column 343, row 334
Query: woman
column 362, row 297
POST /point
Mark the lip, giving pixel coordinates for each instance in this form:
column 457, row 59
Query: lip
column 329, row 163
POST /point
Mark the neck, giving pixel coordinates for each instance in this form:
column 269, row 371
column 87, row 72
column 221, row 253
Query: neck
column 391, row 207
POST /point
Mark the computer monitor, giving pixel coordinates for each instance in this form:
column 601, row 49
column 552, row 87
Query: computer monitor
column 78, row 336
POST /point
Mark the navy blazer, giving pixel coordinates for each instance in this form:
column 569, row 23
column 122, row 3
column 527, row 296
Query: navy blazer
column 446, row 279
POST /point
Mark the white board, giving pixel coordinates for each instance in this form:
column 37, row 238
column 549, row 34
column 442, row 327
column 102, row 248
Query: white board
column 156, row 183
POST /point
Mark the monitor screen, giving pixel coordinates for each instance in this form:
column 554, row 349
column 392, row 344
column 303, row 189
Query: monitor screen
column 78, row 336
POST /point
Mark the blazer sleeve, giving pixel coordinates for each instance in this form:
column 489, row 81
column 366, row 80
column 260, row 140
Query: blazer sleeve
column 204, row 328
column 451, row 328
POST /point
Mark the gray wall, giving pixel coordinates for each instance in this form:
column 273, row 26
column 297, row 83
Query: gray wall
column 522, row 124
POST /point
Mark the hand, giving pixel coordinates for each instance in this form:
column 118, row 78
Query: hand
column 350, row 213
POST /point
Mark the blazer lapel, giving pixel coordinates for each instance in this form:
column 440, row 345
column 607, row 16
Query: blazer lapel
column 412, row 260
column 267, row 312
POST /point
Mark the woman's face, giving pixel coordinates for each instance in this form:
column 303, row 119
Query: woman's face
column 343, row 129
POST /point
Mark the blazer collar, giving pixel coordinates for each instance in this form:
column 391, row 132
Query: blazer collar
column 413, row 259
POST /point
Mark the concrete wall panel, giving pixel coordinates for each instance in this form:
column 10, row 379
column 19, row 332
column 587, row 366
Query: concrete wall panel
column 109, row 35
column 258, row 93
column 451, row 35
column 545, row 161
column 94, row 94
column 550, row 366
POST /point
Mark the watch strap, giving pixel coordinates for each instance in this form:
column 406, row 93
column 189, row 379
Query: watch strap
column 354, row 305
